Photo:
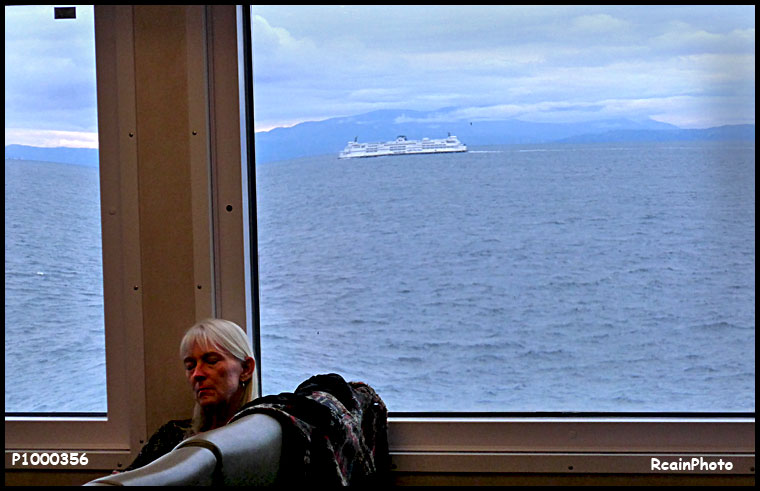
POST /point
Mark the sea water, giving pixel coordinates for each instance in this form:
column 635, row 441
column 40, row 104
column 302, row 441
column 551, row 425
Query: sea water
column 54, row 321
column 614, row 277
column 605, row 277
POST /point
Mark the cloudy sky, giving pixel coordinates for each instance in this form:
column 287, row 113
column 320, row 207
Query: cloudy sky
column 691, row 66
column 49, row 78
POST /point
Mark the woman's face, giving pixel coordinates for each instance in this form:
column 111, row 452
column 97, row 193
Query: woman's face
column 214, row 375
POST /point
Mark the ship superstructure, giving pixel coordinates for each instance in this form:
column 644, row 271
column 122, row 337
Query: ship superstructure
column 402, row 146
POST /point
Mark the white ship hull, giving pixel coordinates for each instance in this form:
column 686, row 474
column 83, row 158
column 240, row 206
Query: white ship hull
column 402, row 146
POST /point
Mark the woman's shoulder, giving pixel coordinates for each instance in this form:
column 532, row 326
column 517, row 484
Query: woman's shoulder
column 175, row 425
column 163, row 441
column 171, row 433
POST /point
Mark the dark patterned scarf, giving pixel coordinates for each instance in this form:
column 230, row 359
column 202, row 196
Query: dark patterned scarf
column 334, row 432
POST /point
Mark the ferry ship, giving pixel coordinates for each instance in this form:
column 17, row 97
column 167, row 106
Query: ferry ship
column 402, row 146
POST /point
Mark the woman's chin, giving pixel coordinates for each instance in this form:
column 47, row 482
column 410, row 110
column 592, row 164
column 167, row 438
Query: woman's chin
column 207, row 400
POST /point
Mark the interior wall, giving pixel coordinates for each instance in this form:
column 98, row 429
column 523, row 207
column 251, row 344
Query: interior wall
column 477, row 479
column 166, row 220
column 61, row 478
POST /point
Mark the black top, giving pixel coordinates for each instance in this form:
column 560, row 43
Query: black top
column 162, row 442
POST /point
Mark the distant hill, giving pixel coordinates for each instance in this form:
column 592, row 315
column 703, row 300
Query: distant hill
column 729, row 132
column 331, row 135
column 64, row 155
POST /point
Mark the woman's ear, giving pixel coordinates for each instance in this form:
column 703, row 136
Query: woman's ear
column 248, row 365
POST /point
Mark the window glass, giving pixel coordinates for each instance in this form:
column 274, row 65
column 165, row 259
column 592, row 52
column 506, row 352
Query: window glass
column 54, row 322
column 594, row 248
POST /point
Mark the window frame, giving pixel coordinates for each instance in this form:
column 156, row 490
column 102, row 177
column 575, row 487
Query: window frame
column 600, row 444
column 218, row 223
column 108, row 439
column 555, row 442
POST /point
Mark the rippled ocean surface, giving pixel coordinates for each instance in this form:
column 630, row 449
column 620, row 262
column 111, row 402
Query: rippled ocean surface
column 605, row 277
column 54, row 335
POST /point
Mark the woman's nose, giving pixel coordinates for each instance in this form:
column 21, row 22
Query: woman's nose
column 198, row 373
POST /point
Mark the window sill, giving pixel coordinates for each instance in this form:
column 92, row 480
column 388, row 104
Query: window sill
column 574, row 444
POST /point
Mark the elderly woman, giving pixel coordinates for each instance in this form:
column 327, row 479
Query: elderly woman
column 221, row 371
column 334, row 432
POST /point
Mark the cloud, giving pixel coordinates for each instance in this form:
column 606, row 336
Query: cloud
column 684, row 111
column 49, row 70
column 539, row 62
column 595, row 24
column 545, row 63
column 50, row 138
column 278, row 40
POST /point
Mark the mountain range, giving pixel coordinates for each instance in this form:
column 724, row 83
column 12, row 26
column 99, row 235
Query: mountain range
column 63, row 155
column 331, row 135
